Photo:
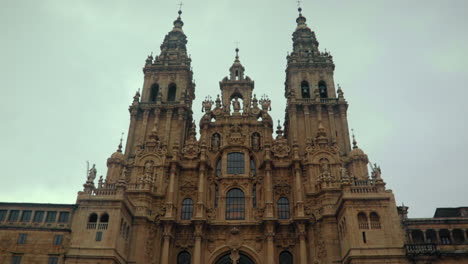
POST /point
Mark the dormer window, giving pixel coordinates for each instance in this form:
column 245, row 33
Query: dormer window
column 235, row 163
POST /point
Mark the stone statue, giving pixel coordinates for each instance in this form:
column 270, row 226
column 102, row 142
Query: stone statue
column 236, row 104
column 324, row 167
column 343, row 173
column 215, row 141
column 92, row 173
column 149, row 168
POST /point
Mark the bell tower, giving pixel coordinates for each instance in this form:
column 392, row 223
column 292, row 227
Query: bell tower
column 163, row 110
column 312, row 97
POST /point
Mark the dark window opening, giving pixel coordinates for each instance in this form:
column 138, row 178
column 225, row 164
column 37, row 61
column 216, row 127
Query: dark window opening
column 235, row 205
column 99, row 236
column 171, row 94
column 285, row 258
column 92, row 218
column 254, row 196
column 51, row 217
column 187, row 209
column 305, row 90
column 16, row 259
column 431, row 236
column 53, row 260
column 183, row 258
column 104, row 218
column 216, row 196
column 3, row 214
column 458, row 237
column 323, row 89
column 362, row 221
column 374, row 220
column 364, row 237
column 283, row 208
column 14, row 215
column 26, row 216
column 418, row 236
column 22, row 238
column 444, row 235
column 154, row 92
column 58, row 239
column 235, row 163
column 38, row 217
column 218, row 168
column 64, row 217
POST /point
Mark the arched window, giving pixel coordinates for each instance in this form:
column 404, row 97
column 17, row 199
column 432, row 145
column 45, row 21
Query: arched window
column 323, row 89
column 362, row 221
column 187, row 209
column 374, row 220
column 235, row 205
column 183, row 258
column 418, row 236
column 283, row 208
column 154, row 92
column 235, row 163
column 104, row 218
column 171, row 94
column 285, row 258
column 92, row 221
column 305, row 90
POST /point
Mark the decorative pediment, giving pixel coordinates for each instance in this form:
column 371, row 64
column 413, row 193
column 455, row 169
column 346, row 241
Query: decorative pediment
column 235, row 135
column 280, row 148
column 152, row 146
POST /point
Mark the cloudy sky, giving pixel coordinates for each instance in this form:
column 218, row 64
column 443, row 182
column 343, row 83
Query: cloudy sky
column 69, row 70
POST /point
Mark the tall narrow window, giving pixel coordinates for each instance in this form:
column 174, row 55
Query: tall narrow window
column 183, row 258
column 26, row 216
column 254, row 196
column 58, row 239
column 374, row 220
column 92, row 221
column 16, row 259
column 154, row 92
column 444, row 235
column 305, row 90
column 216, row 196
column 235, row 205
column 103, row 221
column 187, row 209
column 14, row 214
column 218, row 168
column 235, row 163
column 171, row 94
column 99, row 236
column 38, row 216
column 362, row 221
column 253, row 168
column 431, row 236
column 283, row 208
column 285, row 258
column 22, row 238
column 323, row 89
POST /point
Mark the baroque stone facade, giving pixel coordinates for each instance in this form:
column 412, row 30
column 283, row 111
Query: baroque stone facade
column 235, row 194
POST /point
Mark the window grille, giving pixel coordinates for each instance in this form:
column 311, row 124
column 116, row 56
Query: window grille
column 26, row 216
column 14, row 214
column 38, row 217
column 51, row 217
column 63, row 217
column 58, row 239
column 283, row 208
column 235, row 205
column 235, row 163
column 285, row 258
column 22, row 238
column 3, row 214
column 183, row 258
column 187, row 209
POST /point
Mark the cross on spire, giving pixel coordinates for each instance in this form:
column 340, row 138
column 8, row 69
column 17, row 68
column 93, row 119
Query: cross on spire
column 180, row 5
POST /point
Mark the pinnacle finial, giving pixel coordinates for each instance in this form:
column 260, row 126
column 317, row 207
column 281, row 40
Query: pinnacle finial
column 119, row 149
column 180, row 8
column 354, row 139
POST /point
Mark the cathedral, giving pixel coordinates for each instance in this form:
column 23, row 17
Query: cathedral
column 235, row 186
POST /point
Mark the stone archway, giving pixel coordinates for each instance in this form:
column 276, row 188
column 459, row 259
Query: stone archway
column 243, row 259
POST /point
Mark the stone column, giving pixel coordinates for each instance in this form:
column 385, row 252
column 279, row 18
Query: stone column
column 131, row 132
column 268, row 192
column 201, row 192
column 307, row 122
column 270, row 248
column 145, row 124
column 198, row 239
column 344, row 125
column 302, row 243
column 167, row 132
column 166, row 243
column 331, row 120
column 293, row 114
column 171, row 193
column 299, row 191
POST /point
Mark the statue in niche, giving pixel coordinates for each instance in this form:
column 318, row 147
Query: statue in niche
column 343, row 173
column 255, row 141
column 215, row 141
column 325, row 169
column 236, row 105
column 92, row 173
column 149, row 169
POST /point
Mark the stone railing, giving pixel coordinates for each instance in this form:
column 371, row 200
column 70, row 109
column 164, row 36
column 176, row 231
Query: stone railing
column 363, row 190
column 141, row 187
column 421, row 249
column 363, row 182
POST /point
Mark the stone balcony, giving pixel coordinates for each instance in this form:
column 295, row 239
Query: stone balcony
column 421, row 249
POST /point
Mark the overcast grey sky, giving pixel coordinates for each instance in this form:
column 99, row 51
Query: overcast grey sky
column 69, row 70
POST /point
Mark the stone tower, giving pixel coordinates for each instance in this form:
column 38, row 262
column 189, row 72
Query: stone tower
column 238, row 193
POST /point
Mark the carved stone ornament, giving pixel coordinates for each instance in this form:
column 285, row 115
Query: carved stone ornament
column 280, row 148
column 282, row 189
column 152, row 145
column 188, row 188
column 191, row 148
column 236, row 137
